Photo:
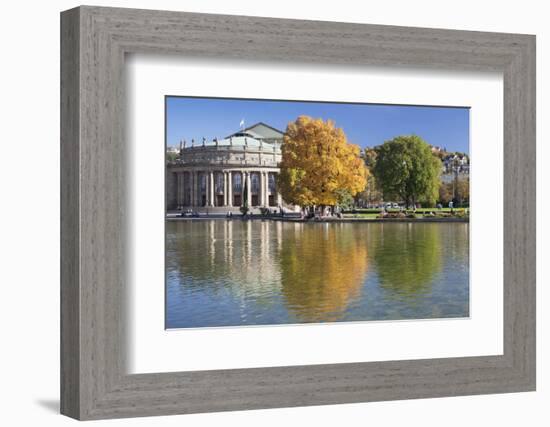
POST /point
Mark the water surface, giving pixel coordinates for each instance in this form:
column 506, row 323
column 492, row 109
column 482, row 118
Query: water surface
column 233, row 273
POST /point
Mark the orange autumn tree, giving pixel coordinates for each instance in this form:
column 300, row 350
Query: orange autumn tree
column 319, row 167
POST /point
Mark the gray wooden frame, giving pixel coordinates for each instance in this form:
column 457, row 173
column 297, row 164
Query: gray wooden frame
column 94, row 41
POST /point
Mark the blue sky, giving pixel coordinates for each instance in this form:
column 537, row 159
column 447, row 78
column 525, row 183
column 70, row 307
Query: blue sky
column 366, row 125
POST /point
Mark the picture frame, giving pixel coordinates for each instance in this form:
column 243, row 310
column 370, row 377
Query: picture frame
column 94, row 270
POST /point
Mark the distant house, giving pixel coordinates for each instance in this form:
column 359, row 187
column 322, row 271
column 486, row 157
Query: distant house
column 456, row 163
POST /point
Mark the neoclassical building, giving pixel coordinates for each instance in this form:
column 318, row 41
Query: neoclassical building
column 220, row 174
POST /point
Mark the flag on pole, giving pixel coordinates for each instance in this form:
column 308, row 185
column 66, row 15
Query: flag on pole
column 241, row 124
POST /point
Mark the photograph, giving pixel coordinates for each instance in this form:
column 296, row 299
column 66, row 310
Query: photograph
column 285, row 212
column 261, row 214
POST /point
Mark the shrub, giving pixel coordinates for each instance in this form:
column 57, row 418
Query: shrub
column 244, row 209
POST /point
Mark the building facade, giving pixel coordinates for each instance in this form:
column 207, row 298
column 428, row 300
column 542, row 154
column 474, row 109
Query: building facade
column 227, row 173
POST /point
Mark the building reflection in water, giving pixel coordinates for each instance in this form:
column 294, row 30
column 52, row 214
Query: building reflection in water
column 230, row 256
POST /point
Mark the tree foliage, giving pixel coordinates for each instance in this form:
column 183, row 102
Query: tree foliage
column 318, row 164
column 445, row 192
column 456, row 190
column 406, row 169
column 371, row 193
column 244, row 207
column 369, row 157
column 344, row 199
column 170, row 156
column 463, row 190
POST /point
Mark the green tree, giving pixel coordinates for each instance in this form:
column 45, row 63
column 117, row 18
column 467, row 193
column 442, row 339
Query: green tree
column 462, row 190
column 170, row 156
column 406, row 169
column 445, row 192
column 344, row 199
column 244, row 207
column 371, row 193
column 369, row 157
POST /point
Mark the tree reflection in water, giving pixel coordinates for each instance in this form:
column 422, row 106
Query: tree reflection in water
column 407, row 258
column 322, row 269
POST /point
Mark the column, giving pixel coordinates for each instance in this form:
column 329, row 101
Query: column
column 194, row 189
column 243, row 182
column 229, row 189
column 224, row 188
column 279, row 198
column 262, row 194
column 182, row 189
column 178, row 189
column 184, row 186
column 198, row 190
column 191, row 188
column 208, row 184
column 248, row 190
column 212, row 203
column 186, row 183
column 207, row 181
column 266, row 188
column 202, row 176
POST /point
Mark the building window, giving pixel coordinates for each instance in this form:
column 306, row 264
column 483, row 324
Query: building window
column 202, row 182
column 219, row 183
column 237, row 183
column 272, row 183
column 255, row 183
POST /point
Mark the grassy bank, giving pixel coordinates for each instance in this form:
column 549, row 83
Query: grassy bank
column 418, row 214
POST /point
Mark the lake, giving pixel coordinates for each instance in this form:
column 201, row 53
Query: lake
column 237, row 273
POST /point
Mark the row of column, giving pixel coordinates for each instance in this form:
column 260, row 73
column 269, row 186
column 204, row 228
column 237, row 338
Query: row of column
column 191, row 193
